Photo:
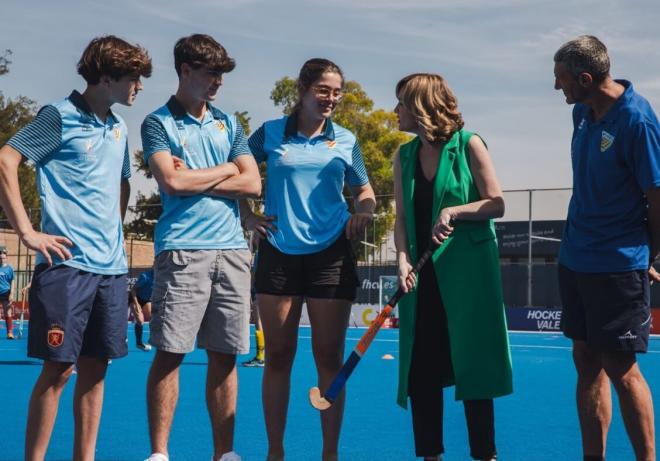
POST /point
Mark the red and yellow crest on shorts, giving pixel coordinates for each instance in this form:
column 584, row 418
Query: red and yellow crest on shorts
column 55, row 336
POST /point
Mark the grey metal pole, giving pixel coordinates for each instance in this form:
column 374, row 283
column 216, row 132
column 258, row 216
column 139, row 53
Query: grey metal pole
column 529, row 253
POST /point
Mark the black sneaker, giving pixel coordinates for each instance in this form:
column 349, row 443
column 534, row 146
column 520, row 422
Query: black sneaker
column 255, row 362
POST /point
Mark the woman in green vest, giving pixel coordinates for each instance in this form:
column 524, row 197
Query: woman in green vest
column 452, row 323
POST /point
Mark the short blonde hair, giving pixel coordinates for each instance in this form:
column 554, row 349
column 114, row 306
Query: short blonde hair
column 430, row 100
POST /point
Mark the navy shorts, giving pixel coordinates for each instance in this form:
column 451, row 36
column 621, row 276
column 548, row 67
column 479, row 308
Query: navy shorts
column 327, row 274
column 610, row 311
column 76, row 313
column 5, row 296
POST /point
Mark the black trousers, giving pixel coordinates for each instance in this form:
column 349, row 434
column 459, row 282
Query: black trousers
column 431, row 370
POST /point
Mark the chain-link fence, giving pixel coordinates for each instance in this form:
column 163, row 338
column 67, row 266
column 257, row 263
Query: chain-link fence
column 528, row 264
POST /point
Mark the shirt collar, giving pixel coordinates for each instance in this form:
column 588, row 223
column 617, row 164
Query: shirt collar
column 622, row 101
column 79, row 102
column 291, row 128
column 179, row 112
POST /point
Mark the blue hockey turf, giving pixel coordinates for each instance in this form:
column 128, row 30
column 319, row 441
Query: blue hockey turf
column 538, row 422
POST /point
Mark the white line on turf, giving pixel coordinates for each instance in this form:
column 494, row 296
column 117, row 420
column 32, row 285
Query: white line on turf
column 517, row 346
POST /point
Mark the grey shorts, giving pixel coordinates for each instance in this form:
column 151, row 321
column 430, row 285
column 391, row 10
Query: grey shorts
column 203, row 294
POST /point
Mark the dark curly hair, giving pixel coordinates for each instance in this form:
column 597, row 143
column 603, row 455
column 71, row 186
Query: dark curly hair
column 114, row 57
column 200, row 50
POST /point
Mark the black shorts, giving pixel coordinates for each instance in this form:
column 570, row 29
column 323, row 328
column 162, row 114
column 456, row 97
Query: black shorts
column 5, row 296
column 143, row 301
column 610, row 311
column 327, row 274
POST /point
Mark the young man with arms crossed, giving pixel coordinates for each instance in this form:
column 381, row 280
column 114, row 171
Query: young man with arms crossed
column 611, row 239
column 78, row 292
column 197, row 154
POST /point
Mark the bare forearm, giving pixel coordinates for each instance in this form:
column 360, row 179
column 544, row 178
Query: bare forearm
column 10, row 197
column 401, row 238
column 365, row 202
column 193, row 182
column 244, row 185
column 480, row 210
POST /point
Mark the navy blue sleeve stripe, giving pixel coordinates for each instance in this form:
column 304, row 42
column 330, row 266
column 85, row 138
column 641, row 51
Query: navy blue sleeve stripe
column 41, row 137
column 357, row 173
column 126, row 167
column 239, row 146
column 154, row 137
column 256, row 143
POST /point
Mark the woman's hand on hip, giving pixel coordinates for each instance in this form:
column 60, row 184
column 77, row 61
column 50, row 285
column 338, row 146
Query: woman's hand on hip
column 260, row 223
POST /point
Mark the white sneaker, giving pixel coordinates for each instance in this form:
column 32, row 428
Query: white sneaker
column 231, row 456
column 145, row 347
column 157, row 457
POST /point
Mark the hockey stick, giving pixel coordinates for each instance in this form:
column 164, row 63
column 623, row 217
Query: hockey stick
column 21, row 319
column 323, row 402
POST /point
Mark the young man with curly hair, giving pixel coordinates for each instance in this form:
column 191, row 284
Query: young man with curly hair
column 78, row 293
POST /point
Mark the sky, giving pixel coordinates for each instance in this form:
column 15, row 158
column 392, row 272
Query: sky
column 496, row 56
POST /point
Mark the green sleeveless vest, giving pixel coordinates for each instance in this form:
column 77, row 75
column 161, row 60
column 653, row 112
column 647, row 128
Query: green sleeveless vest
column 468, row 275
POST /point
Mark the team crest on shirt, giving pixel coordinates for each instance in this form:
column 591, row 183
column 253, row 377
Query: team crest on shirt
column 88, row 146
column 220, row 125
column 331, row 144
column 606, row 141
column 55, row 335
column 117, row 133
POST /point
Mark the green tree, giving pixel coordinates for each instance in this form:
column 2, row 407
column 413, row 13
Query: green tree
column 377, row 133
column 285, row 94
column 4, row 62
column 140, row 165
column 147, row 209
column 14, row 114
column 244, row 120
column 145, row 214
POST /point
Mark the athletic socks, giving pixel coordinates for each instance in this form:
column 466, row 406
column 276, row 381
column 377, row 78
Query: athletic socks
column 138, row 333
column 593, row 458
column 10, row 323
column 261, row 345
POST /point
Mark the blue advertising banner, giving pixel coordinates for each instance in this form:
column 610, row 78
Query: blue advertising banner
column 533, row 318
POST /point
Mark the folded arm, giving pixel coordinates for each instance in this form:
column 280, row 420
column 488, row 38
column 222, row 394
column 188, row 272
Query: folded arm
column 183, row 181
column 245, row 184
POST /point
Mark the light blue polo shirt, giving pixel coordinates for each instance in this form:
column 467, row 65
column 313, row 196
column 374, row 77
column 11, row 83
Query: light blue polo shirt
column 196, row 222
column 615, row 161
column 6, row 277
column 80, row 164
column 305, row 181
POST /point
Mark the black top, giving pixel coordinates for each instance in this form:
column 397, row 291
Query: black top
column 423, row 207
